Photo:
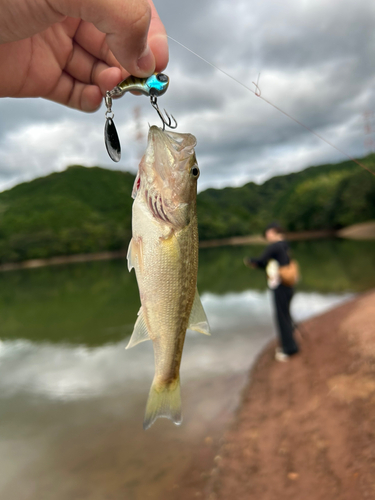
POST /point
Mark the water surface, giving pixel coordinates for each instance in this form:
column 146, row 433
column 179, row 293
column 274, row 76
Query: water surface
column 72, row 398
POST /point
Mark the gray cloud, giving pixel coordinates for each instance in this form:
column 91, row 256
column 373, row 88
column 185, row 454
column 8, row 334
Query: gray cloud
column 316, row 63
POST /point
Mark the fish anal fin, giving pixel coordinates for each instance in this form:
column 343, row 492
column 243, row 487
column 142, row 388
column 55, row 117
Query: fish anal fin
column 198, row 319
column 163, row 402
column 134, row 254
column 140, row 332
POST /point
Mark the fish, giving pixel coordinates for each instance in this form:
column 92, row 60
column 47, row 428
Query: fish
column 164, row 254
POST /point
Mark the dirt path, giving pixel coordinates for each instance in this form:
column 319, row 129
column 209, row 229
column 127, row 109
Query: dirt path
column 306, row 428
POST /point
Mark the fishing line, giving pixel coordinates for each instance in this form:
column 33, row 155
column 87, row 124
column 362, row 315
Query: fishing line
column 257, row 93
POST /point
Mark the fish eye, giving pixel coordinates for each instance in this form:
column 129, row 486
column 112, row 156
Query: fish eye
column 195, row 171
column 161, row 77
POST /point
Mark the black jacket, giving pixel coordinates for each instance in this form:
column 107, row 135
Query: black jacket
column 278, row 251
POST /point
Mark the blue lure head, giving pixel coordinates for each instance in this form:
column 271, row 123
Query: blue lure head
column 157, row 85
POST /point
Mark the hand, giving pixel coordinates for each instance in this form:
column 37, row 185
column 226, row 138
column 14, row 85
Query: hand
column 72, row 51
column 248, row 263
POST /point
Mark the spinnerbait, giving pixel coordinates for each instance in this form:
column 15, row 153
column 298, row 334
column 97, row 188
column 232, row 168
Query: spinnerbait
column 153, row 87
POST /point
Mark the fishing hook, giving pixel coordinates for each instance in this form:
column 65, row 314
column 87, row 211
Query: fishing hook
column 168, row 122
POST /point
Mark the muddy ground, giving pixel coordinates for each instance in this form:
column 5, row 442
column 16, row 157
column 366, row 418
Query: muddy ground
column 305, row 428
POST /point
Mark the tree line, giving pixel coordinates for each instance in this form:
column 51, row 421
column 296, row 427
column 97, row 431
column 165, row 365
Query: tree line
column 85, row 210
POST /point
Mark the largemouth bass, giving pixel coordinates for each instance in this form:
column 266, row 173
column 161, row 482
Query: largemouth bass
column 164, row 253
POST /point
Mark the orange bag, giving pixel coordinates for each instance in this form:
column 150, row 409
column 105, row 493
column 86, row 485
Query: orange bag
column 290, row 274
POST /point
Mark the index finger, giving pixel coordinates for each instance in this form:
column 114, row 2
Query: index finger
column 126, row 24
column 157, row 40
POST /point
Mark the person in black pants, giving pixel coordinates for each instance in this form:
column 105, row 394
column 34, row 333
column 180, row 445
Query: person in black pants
column 275, row 255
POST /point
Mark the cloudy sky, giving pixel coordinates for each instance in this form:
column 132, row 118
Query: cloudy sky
column 316, row 60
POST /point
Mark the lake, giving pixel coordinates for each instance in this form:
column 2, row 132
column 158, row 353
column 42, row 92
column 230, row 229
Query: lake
column 72, row 398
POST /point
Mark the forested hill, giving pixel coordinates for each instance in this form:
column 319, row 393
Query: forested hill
column 80, row 210
column 322, row 197
column 84, row 210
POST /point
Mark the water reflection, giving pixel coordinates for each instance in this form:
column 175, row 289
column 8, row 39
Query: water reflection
column 72, row 399
column 91, row 303
column 97, row 303
column 69, row 372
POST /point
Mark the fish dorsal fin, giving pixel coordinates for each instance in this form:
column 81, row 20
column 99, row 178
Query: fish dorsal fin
column 198, row 319
column 140, row 332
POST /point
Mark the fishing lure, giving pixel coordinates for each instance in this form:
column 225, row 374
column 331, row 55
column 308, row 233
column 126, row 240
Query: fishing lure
column 152, row 87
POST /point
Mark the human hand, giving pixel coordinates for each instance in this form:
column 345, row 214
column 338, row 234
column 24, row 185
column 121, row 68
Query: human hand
column 248, row 263
column 72, row 51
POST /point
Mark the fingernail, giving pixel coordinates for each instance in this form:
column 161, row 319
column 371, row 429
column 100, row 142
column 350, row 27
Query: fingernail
column 146, row 61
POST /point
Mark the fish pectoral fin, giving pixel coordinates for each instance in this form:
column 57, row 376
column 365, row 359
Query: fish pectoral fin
column 134, row 253
column 198, row 319
column 130, row 255
column 140, row 332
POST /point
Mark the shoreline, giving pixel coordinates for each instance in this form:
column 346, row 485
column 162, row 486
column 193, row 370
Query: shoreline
column 258, row 239
column 358, row 232
column 303, row 429
column 63, row 259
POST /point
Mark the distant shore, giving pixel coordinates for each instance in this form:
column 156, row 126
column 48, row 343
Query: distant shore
column 258, row 239
column 63, row 259
column 364, row 231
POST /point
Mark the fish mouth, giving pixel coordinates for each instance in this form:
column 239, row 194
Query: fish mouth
column 164, row 173
column 161, row 152
column 168, row 155
column 181, row 146
column 154, row 129
column 159, row 139
column 155, row 133
column 180, row 143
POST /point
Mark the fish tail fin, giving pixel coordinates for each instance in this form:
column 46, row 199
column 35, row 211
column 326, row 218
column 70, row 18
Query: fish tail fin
column 163, row 401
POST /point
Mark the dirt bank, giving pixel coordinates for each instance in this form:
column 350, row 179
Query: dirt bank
column 306, row 428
